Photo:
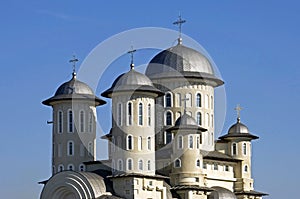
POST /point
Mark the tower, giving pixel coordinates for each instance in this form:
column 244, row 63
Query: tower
column 74, row 125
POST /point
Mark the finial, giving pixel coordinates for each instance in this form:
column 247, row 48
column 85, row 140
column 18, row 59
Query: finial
column 179, row 22
column 238, row 109
column 131, row 52
column 73, row 61
column 184, row 100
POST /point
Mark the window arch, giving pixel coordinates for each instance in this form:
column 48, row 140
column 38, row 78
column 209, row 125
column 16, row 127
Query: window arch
column 90, row 122
column 168, row 100
column 60, row 122
column 81, row 121
column 149, row 143
column 149, row 165
column 71, row 167
column 197, row 163
column 60, row 168
column 70, row 121
column 81, row 167
column 168, row 116
column 199, row 118
column 244, row 149
column 90, row 149
column 177, row 163
column 246, row 168
column 129, row 164
column 120, row 165
column 129, row 142
column 234, row 148
column 198, row 100
column 70, row 148
column 191, row 142
column 149, row 114
column 140, row 163
column 140, row 114
column 180, row 142
column 119, row 114
column 129, row 113
column 140, row 143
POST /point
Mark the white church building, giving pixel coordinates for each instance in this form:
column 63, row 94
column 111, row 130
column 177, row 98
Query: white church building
column 162, row 140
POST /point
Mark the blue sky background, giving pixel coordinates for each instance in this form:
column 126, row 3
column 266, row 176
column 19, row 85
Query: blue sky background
column 255, row 44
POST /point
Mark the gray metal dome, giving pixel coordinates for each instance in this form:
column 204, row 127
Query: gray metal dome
column 186, row 120
column 221, row 193
column 238, row 127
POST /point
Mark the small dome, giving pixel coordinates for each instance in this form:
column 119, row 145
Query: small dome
column 238, row 127
column 186, row 120
column 221, row 193
column 181, row 59
column 74, row 86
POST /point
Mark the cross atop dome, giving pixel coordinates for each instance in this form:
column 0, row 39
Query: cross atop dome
column 238, row 109
column 131, row 52
column 179, row 23
column 74, row 61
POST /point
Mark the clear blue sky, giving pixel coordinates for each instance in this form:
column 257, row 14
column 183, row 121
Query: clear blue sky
column 256, row 45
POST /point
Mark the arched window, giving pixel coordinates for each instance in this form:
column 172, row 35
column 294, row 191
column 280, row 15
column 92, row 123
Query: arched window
column 119, row 115
column 206, row 101
column 178, row 99
column 149, row 165
column 244, row 148
column 149, row 114
column 177, row 163
column 149, row 143
column 90, row 121
column 207, row 119
column 191, row 142
column 246, row 168
column 70, row 148
column 120, row 165
column 140, row 114
column 212, row 120
column 168, row 118
column 168, row 136
column 90, row 149
column 199, row 118
column 71, row 167
column 234, row 149
column 60, row 122
column 81, row 167
column 113, row 144
column 168, row 100
column 70, row 122
column 119, row 142
column 198, row 100
column 180, row 142
column 211, row 102
column 81, row 120
column 59, row 150
column 129, row 113
column 129, row 142
column 216, row 166
column 226, row 168
column 140, row 143
column 141, row 164
column 198, row 163
column 60, row 168
column 129, row 164
column 198, row 142
column 188, row 101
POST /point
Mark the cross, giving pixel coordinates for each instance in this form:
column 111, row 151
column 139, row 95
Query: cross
column 179, row 22
column 184, row 100
column 238, row 109
column 73, row 61
column 131, row 52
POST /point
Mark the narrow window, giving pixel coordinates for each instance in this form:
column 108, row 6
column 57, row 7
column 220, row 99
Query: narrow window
column 199, row 119
column 113, row 144
column 246, row 168
column 149, row 165
column 211, row 102
column 215, row 166
column 212, row 120
column 129, row 142
column 198, row 163
column 60, row 121
column 90, row 121
column 204, row 165
column 81, row 167
column 140, row 143
column 168, row 118
column 188, row 101
column 234, row 149
column 168, row 136
column 71, row 167
column 180, row 142
column 149, row 114
column 60, row 168
column 140, row 114
column 226, row 168
column 244, row 148
column 168, row 99
column 141, row 165
column 90, row 149
column 59, row 150
column 149, row 143
column 198, row 142
column 191, row 142
column 129, row 113
column 178, row 99
column 206, row 101
column 81, row 121
column 177, row 163
column 70, row 121
column 120, row 165
column 129, row 164
column 198, row 100
column 207, row 119
column 70, row 150
column 119, row 114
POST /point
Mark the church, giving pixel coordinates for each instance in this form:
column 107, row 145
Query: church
column 161, row 144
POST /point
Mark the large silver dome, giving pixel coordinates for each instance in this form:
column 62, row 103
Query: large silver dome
column 186, row 120
column 238, row 128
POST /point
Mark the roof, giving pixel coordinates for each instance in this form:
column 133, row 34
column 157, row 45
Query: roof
column 215, row 155
column 221, row 193
column 137, row 175
column 192, row 187
column 186, row 122
column 252, row 192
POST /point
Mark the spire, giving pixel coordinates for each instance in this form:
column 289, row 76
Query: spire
column 238, row 109
column 73, row 61
column 131, row 52
column 179, row 23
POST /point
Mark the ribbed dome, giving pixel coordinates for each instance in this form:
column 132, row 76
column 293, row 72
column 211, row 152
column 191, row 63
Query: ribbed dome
column 185, row 120
column 238, row 127
column 74, row 86
column 181, row 59
column 221, row 193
